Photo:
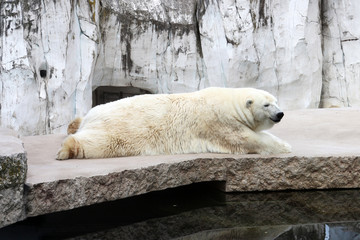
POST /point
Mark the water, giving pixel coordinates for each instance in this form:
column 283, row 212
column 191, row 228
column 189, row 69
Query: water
column 200, row 212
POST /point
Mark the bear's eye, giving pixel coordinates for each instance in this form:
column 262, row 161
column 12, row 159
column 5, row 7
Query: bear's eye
column 267, row 105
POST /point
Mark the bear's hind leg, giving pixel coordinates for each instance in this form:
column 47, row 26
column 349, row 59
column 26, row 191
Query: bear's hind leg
column 70, row 148
column 74, row 126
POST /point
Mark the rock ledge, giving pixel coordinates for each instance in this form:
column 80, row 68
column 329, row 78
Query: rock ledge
column 325, row 156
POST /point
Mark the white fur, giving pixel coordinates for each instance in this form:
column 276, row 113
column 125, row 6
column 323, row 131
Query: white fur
column 220, row 120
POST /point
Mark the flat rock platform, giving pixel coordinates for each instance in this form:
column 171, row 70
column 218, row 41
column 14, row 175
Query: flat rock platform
column 326, row 154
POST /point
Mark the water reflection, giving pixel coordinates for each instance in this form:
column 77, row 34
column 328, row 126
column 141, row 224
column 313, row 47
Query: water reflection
column 202, row 212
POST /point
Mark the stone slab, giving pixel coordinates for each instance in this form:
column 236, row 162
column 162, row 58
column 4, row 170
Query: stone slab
column 13, row 168
column 325, row 155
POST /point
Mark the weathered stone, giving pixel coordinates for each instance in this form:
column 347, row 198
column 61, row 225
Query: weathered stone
column 238, row 173
column 37, row 73
column 71, row 193
column 298, row 172
column 253, row 43
column 13, row 167
column 12, row 205
column 341, row 47
column 54, row 54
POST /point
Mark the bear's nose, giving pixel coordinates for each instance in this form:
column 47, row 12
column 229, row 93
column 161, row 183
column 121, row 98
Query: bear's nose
column 280, row 115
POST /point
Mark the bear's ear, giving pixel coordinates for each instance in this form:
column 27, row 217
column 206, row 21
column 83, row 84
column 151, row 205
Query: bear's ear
column 249, row 102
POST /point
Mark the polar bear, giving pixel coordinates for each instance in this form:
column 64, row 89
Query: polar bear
column 217, row 120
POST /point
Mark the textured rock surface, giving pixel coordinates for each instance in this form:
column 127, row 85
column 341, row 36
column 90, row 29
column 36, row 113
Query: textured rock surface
column 321, row 159
column 47, row 55
column 53, row 54
column 293, row 173
column 13, row 169
column 341, row 47
column 240, row 174
column 58, row 195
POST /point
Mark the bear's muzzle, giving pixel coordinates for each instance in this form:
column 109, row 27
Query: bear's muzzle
column 277, row 118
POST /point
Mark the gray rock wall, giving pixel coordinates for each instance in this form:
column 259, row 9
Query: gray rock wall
column 54, row 54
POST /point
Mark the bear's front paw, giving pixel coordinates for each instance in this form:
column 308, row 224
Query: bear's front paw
column 285, row 147
column 62, row 154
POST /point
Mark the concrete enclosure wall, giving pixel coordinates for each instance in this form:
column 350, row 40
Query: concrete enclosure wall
column 55, row 53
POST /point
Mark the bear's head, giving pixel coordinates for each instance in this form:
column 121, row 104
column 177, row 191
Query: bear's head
column 264, row 109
